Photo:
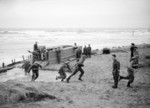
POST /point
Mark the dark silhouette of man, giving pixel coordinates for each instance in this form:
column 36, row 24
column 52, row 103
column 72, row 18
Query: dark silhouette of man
column 129, row 77
column 78, row 67
column 116, row 70
column 132, row 49
column 35, row 70
column 89, row 51
column 85, row 50
column 62, row 71
column 26, row 66
column 35, row 47
column 78, row 53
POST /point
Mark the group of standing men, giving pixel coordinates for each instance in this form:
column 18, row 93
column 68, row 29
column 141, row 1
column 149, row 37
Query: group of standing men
column 87, row 51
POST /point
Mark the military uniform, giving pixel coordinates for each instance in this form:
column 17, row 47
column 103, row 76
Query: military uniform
column 35, row 47
column 58, row 55
column 26, row 66
column 78, row 54
column 116, row 70
column 35, row 70
column 89, row 51
column 130, row 76
column 85, row 50
column 78, row 67
column 62, row 72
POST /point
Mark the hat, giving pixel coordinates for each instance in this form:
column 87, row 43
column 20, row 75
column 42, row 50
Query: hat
column 132, row 43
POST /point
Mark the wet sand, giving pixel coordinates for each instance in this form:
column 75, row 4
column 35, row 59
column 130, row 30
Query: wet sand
column 19, row 75
column 95, row 91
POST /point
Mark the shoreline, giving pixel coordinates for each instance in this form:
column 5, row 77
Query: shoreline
column 54, row 67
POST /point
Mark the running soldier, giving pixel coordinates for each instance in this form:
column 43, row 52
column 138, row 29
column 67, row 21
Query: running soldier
column 26, row 66
column 78, row 67
column 35, row 70
column 129, row 77
column 62, row 71
column 116, row 70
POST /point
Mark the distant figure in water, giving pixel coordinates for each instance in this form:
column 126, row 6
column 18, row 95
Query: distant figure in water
column 26, row 66
column 35, row 46
column 35, row 70
column 116, row 70
column 62, row 71
column 129, row 77
column 78, row 67
column 89, row 51
column 78, row 53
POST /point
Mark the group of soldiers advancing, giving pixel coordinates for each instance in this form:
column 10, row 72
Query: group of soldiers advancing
column 80, row 58
column 77, row 67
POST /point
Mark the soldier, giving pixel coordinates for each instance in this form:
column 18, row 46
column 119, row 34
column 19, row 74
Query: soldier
column 58, row 55
column 35, row 46
column 116, row 69
column 34, row 54
column 62, row 71
column 78, row 67
column 35, row 70
column 132, row 49
column 136, row 55
column 129, row 77
column 26, row 66
column 85, row 50
column 89, row 51
column 78, row 53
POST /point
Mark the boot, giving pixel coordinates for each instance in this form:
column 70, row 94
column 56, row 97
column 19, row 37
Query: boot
column 128, row 85
column 80, row 79
column 114, row 86
column 67, row 80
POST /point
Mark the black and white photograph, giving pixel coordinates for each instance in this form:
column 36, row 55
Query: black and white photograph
column 74, row 53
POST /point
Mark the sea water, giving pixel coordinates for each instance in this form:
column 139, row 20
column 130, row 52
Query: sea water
column 14, row 43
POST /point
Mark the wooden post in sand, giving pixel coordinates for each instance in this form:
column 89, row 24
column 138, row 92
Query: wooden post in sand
column 12, row 61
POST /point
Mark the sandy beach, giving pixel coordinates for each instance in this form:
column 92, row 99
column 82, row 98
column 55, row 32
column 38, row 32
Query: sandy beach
column 95, row 91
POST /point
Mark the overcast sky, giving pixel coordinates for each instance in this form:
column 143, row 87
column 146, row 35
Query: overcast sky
column 75, row 13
